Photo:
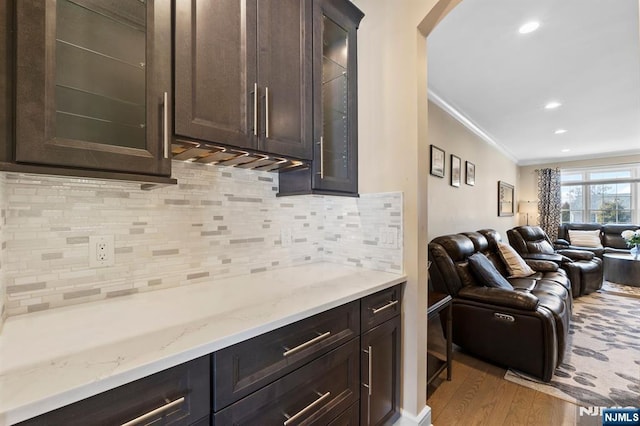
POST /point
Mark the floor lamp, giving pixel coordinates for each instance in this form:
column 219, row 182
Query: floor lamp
column 528, row 208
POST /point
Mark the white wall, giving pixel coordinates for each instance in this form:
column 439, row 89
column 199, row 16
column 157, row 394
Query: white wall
column 393, row 153
column 467, row 208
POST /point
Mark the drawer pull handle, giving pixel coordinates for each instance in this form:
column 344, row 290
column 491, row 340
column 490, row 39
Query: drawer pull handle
column 305, row 344
column 385, row 307
column 306, row 409
column 142, row 418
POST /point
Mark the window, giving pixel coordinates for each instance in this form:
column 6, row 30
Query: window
column 601, row 195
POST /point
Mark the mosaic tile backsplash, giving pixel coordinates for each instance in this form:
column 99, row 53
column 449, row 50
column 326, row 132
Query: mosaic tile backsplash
column 216, row 223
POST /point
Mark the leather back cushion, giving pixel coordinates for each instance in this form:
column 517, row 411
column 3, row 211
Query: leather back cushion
column 486, row 273
column 563, row 230
column 542, row 246
column 611, row 235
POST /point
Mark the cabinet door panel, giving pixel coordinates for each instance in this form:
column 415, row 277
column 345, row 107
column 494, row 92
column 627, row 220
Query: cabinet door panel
column 335, row 166
column 89, row 84
column 215, row 70
column 380, row 372
column 6, row 80
column 319, row 391
column 284, row 71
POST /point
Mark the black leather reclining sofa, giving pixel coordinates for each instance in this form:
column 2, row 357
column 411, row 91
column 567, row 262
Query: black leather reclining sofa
column 524, row 328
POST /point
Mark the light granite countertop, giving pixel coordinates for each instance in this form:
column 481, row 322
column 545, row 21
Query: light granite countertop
column 53, row 358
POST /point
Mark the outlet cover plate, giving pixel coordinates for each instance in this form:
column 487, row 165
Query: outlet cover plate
column 101, row 251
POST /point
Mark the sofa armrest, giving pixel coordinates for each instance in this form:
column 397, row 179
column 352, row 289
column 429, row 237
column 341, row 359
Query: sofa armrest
column 500, row 297
column 560, row 244
column 542, row 265
column 577, row 254
column 550, row 257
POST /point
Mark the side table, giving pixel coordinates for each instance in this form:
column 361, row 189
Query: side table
column 437, row 303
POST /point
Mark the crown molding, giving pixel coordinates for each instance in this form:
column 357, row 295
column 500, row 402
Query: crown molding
column 466, row 122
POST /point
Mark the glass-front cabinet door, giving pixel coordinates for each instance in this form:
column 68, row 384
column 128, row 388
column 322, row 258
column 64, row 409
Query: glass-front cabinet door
column 93, row 84
column 335, row 90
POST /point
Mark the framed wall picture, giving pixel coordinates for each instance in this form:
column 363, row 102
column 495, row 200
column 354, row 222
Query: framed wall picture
column 505, row 199
column 456, row 166
column 437, row 161
column 470, row 175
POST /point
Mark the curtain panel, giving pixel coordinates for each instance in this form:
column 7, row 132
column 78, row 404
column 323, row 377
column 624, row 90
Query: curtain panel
column 549, row 201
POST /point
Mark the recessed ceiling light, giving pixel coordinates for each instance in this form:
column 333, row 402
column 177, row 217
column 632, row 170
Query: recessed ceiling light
column 552, row 105
column 560, row 131
column 566, row 150
column 529, row 27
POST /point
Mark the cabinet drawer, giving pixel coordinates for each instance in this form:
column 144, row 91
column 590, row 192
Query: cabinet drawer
column 381, row 306
column 247, row 366
column 350, row 417
column 314, row 394
column 177, row 396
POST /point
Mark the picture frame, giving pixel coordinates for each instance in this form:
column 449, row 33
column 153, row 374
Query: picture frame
column 456, row 170
column 470, row 175
column 437, row 161
column 506, row 197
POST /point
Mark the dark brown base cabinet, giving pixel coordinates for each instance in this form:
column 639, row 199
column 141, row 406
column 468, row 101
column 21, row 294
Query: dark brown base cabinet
column 340, row 367
column 177, row 396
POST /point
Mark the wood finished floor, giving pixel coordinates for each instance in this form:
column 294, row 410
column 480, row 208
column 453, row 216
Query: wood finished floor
column 478, row 395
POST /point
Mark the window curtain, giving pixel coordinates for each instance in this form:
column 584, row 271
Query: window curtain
column 549, row 201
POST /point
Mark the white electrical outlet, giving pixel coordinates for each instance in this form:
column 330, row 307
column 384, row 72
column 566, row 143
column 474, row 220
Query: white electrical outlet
column 388, row 238
column 101, row 251
column 286, row 237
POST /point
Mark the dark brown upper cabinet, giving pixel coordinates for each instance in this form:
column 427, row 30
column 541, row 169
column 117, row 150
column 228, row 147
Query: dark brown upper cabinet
column 93, row 85
column 334, row 169
column 243, row 74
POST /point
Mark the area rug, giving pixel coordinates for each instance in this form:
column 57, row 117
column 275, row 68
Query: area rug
column 602, row 363
column 620, row 289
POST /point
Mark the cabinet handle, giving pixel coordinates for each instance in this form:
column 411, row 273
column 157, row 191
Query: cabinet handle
column 321, row 157
column 306, row 344
column 255, row 109
column 266, row 112
column 307, row 408
column 142, row 418
column 369, row 352
column 387, row 306
column 165, row 123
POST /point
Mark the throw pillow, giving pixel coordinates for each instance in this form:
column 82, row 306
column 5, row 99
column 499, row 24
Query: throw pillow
column 585, row 238
column 516, row 265
column 486, row 273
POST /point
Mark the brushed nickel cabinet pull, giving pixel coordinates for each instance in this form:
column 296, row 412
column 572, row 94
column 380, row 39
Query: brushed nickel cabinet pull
column 369, row 353
column 306, row 344
column 165, row 123
column 266, row 112
column 387, row 306
column 307, row 408
column 138, row 420
column 255, row 109
column 321, row 157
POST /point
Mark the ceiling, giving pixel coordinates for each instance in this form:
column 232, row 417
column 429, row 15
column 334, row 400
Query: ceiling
column 585, row 55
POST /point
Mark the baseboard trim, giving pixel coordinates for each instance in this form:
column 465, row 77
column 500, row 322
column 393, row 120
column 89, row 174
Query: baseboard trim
column 422, row 419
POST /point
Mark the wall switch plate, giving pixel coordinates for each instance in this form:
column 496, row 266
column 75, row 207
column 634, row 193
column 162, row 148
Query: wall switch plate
column 101, row 251
column 388, row 238
column 286, row 237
